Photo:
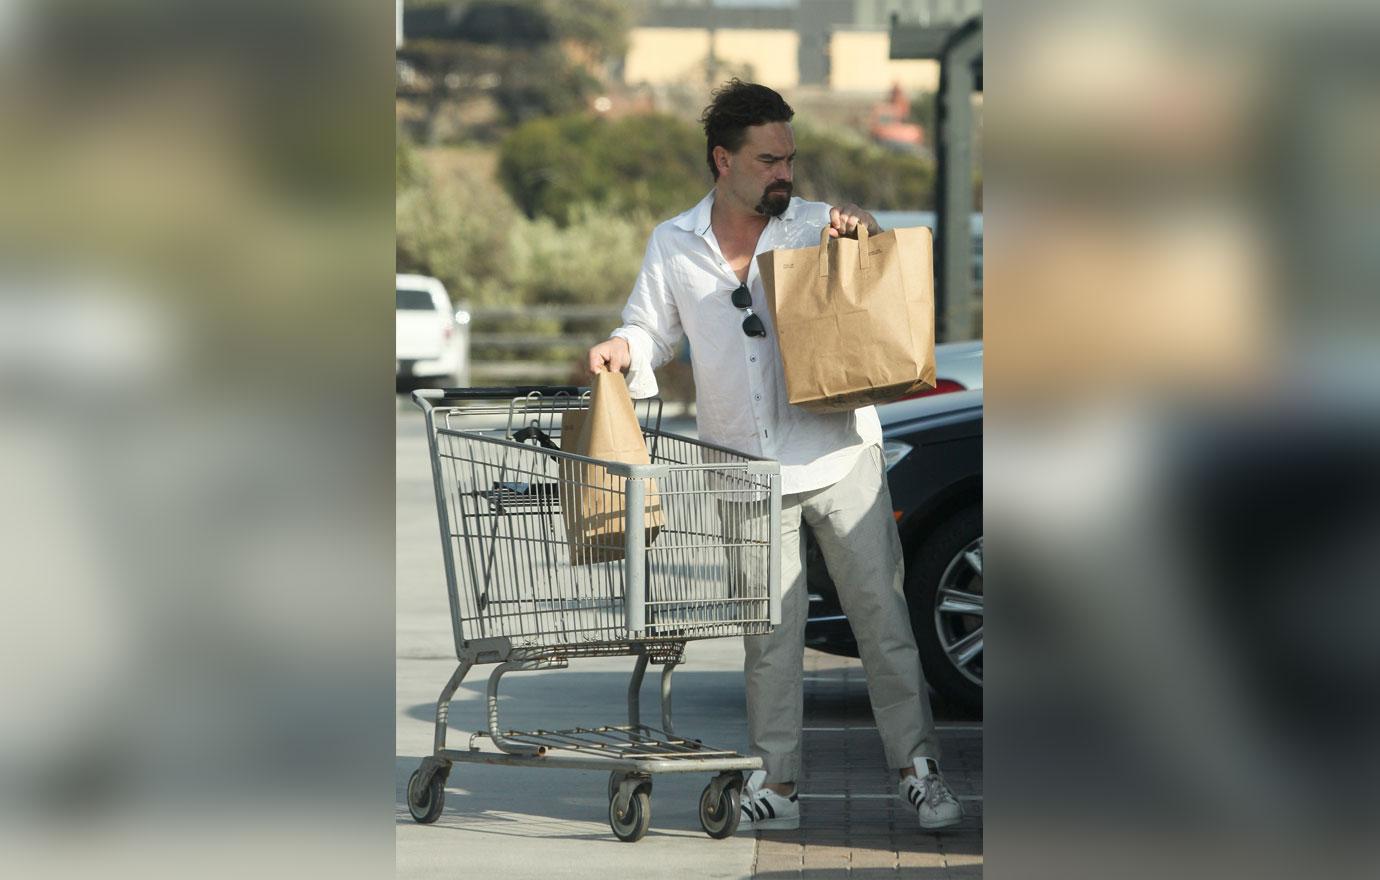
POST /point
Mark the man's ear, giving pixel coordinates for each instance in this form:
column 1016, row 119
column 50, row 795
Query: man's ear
column 721, row 158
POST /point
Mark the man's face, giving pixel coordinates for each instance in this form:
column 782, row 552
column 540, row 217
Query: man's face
column 759, row 174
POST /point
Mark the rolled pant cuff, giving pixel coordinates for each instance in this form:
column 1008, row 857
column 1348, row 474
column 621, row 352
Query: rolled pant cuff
column 929, row 748
column 781, row 770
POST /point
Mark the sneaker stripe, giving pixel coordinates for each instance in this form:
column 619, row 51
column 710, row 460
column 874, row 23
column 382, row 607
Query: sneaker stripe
column 771, row 811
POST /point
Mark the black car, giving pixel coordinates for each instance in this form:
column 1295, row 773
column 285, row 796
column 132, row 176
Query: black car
column 933, row 452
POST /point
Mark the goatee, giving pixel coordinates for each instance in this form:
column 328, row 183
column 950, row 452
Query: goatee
column 775, row 201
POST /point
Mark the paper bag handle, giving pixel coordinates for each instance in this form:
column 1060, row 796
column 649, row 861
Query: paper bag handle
column 863, row 259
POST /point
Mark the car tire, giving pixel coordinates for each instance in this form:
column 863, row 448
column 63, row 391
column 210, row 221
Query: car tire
column 949, row 557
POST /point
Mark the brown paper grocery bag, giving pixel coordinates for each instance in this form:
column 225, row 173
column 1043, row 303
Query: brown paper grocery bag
column 854, row 317
column 593, row 501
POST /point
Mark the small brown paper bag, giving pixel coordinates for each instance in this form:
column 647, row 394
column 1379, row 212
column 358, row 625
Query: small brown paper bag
column 593, row 501
column 854, row 318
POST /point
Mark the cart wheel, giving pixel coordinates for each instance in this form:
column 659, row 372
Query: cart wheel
column 719, row 816
column 632, row 823
column 615, row 779
column 425, row 802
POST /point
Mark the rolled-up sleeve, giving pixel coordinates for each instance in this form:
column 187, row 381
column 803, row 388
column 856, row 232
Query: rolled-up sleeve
column 651, row 323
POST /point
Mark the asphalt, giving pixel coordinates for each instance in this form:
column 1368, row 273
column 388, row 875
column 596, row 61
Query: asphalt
column 517, row 822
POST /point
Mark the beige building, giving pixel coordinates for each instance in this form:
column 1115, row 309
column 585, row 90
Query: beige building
column 665, row 56
column 770, row 54
column 859, row 62
column 858, row 59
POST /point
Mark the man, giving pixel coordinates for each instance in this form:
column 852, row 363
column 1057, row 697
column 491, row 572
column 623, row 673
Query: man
column 699, row 279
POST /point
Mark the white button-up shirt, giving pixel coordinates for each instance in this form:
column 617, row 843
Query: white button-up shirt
column 684, row 289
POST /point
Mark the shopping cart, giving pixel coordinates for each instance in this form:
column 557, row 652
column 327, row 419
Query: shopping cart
column 527, row 592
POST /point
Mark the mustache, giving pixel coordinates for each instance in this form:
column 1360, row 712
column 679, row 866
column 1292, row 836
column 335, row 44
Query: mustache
column 779, row 187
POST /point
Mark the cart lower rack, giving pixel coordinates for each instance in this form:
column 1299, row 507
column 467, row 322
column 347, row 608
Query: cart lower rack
column 551, row 556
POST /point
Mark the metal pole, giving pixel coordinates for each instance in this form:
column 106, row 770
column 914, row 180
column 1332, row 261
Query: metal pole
column 634, row 580
column 954, row 186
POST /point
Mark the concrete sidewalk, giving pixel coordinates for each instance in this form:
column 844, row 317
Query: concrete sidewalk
column 528, row 822
column 519, row 822
column 515, row 822
column 852, row 824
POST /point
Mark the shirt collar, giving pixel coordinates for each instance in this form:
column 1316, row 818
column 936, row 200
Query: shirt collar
column 698, row 218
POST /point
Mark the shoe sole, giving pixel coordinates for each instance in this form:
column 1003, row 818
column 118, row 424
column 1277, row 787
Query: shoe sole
column 782, row 824
column 936, row 825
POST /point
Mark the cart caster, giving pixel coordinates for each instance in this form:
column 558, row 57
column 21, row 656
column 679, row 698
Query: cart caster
column 630, row 824
column 426, row 799
column 616, row 779
column 719, row 813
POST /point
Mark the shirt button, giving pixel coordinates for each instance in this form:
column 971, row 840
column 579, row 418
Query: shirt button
column 753, row 359
column 756, row 397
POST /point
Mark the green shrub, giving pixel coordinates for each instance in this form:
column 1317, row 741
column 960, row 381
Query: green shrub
column 406, row 171
column 458, row 229
column 545, row 166
column 655, row 163
column 592, row 260
column 831, row 169
column 648, row 163
column 463, row 229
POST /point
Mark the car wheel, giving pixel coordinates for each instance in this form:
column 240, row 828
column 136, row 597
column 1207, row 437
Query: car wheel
column 944, row 592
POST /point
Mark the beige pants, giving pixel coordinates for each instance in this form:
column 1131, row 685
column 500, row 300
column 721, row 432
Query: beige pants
column 853, row 524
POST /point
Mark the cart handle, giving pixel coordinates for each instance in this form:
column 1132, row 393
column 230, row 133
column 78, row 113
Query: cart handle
column 497, row 393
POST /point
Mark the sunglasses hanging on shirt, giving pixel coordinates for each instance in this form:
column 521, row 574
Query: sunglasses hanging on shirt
column 752, row 325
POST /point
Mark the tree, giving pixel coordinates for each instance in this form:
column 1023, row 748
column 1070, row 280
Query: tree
column 530, row 57
column 600, row 26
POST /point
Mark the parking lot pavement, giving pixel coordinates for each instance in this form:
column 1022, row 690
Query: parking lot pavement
column 523, row 822
column 851, row 822
column 518, row 822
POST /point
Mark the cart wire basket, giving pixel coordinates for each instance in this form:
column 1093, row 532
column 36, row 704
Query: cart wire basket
column 550, row 555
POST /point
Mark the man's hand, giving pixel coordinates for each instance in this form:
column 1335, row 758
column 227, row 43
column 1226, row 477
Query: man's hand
column 844, row 220
column 611, row 354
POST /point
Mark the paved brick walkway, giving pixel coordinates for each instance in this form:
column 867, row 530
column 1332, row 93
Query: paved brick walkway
column 852, row 824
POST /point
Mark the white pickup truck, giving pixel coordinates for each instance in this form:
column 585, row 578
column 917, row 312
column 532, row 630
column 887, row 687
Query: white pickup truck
column 432, row 336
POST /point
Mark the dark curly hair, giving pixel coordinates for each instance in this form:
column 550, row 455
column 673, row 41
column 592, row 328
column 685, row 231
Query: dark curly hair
column 735, row 106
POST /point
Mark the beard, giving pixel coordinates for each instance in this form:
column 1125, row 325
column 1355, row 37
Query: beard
column 775, row 200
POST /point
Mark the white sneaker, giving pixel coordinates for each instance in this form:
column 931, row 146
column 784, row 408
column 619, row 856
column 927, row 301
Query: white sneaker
column 764, row 809
column 929, row 794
